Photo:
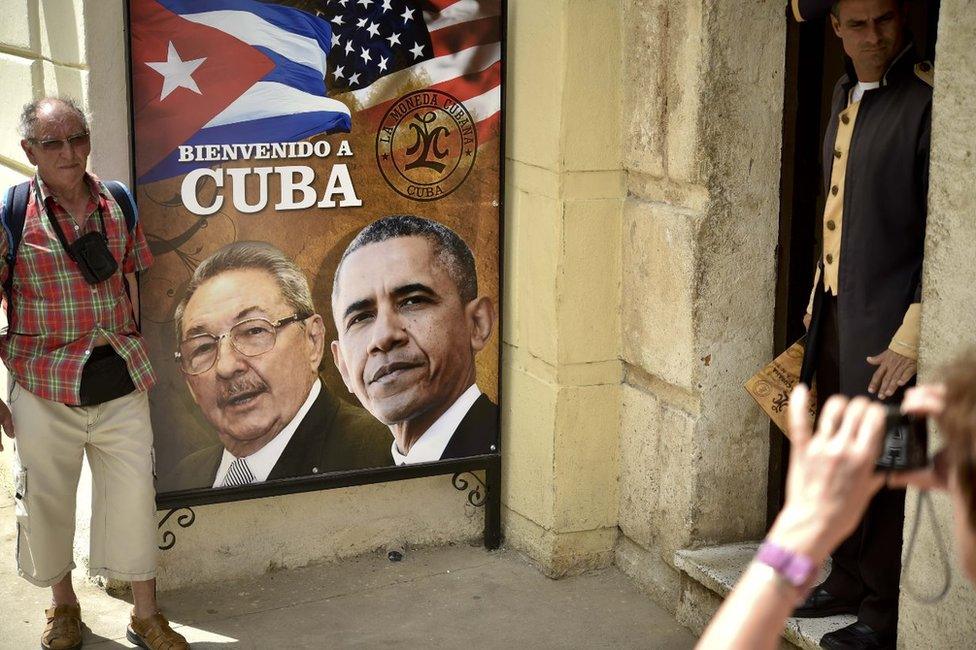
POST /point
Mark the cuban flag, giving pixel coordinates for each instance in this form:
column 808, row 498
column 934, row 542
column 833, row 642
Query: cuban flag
column 226, row 72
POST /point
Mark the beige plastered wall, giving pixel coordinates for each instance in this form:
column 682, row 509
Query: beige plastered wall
column 76, row 47
column 642, row 200
column 948, row 314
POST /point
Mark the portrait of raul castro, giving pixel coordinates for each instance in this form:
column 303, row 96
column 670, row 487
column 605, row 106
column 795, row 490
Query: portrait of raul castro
column 249, row 345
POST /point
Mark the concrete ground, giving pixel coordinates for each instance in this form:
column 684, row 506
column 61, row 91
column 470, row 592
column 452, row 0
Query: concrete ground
column 448, row 597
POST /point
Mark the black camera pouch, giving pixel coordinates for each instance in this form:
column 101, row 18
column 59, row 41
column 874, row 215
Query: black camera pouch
column 105, row 377
column 89, row 252
column 95, row 261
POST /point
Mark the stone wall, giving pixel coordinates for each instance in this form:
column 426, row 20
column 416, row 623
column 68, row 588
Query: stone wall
column 948, row 314
column 703, row 107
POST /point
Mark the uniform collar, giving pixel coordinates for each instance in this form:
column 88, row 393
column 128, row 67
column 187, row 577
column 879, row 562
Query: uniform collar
column 903, row 64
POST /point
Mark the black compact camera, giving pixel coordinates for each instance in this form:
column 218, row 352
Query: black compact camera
column 906, row 441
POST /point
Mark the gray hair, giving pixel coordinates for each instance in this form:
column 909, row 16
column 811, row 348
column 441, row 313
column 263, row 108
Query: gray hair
column 27, row 127
column 449, row 249
column 256, row 255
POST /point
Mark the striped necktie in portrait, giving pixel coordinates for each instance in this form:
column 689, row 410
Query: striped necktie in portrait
column 238, row 474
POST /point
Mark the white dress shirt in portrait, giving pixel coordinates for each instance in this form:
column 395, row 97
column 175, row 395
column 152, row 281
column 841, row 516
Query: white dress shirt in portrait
column 263, row 460
column 432, row 442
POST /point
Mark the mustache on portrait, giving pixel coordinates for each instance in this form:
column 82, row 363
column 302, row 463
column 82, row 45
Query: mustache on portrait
column 238, row 388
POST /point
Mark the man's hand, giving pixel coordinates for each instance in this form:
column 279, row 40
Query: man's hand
column 6, row 421
column 894, row 371
column 831, row 478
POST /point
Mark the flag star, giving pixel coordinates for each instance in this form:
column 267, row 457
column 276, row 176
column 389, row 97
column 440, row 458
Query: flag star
column 365, row 55
column 176, row 72
column 337, row 19
column 382, row 64
column 337, row 73
column 354, row 78
column 364, row 3
column 349, row 48
column 417, row 50
column 373, row 29
column 394, row 39
column 361, row 22
column 335, row 40
column 386, row 6
column 407, row 15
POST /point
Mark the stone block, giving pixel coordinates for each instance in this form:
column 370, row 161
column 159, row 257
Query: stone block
column 18, row 24
column 588, row 301
column 67, row 81
column 539, row 240
column 659, row 283
column 108, row 85
column 528, row 434
column 585, row 464
column 62, row 31
column 536, row 61
column 559, row 555
column 19, row 77
column 651, row 573
column 644, row 99
column 591, row 110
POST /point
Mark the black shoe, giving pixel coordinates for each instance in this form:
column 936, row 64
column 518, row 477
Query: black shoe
column 856, row 636
column 821, row 603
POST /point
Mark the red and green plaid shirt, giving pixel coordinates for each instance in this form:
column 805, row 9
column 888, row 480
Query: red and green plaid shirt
column 55, row 315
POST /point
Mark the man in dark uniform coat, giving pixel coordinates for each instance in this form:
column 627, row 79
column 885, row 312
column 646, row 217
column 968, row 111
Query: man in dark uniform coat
column 259, row 388
column 865, row 306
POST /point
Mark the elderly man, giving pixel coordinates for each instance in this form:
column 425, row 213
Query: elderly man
column 410, row 322
column 250, row 344
column 865, row 306
column 80, row 373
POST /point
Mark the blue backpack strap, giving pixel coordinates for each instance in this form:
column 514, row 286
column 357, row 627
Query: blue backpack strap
column 12, row 218
column 123, row 197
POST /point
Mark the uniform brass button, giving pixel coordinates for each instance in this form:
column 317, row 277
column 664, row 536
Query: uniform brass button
column 845, row 119
column 838, row 153
column 834, row 190
column 831, row 225
column 829, row 258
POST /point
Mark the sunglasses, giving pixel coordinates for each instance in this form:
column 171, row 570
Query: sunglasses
column 77, row 140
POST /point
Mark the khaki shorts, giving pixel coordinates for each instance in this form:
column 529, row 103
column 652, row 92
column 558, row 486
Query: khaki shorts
column 50, row 440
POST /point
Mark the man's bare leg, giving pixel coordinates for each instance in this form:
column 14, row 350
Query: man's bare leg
column 144, row 598
column 63, row 593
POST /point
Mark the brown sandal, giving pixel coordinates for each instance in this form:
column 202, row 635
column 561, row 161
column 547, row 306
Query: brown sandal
column 63, row 630
column 154, row 633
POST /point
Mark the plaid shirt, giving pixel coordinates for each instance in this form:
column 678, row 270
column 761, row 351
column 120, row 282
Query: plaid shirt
column 56, row 315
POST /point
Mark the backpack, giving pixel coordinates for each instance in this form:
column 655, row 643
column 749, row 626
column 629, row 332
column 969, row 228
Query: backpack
column 14, row 214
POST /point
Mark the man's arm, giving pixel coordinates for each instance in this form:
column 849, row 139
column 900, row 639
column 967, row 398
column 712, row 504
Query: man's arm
column 132, row 281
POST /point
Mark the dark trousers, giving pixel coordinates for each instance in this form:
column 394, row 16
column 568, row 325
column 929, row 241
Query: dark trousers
column 867, row 565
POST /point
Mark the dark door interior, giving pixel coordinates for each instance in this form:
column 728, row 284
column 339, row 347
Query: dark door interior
column 814, row 62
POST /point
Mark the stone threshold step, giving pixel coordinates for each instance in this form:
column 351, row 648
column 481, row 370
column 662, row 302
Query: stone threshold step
column 719, row 567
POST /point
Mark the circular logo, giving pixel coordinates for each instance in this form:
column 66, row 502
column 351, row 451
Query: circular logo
column 426, row 145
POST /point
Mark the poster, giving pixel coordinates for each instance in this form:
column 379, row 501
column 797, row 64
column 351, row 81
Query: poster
column 319, row 181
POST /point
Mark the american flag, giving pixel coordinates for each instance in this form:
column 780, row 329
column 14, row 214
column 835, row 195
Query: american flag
column 454, row 46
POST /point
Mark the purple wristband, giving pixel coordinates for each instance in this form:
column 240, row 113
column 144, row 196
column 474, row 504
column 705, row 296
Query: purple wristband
column 798, row 570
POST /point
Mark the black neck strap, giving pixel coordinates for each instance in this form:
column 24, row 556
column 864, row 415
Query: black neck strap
column 57, row 226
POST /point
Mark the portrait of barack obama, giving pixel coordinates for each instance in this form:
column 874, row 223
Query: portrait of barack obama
column 409, row 323
column 249, row 347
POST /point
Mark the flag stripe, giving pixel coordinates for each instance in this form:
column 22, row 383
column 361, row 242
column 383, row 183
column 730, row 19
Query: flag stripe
column 271, row 99
column 464, row 35
column 285, row 128
column 461, row 11
column 463, row 88
column 435, row 71
column 484, row 105
column 489, row 127
column 254, row 30
column 293, row 74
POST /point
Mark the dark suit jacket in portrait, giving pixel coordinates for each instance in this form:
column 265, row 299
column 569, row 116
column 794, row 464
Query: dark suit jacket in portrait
column 333, row 436
column 477, row 432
